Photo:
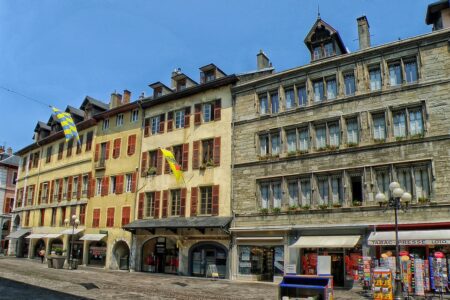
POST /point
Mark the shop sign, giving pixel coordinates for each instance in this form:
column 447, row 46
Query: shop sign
column 290, row 269
column 409, row 242
column 161, row 248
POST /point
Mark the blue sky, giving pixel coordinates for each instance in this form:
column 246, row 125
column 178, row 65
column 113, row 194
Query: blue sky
column 60, row 51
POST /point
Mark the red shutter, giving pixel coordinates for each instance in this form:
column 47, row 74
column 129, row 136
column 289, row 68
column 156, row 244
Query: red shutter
column 183, row 203
column 80, row 179
column 141, row 206
column 157, row 204
column 133, row 182
column 105, row 186
column 159, row 162
column 52, row 186
column 217, row 110
column 185, row 157
column 69, row 189
column 116, row 149
column 125, row 215
column 216, row 151
column 60, row 189
column 195, row 154
column 147, row 127
column 40, row 193
column 194, row 201
column 187, row 117
column 215, row 200
column 119, row 184
column 144, row 162
column 197, row 114
column 108, row 143
column 97, row 152
column 131, row 144
column 169, row 121
column 161, row 124
column 91, row 185
column 165, row 200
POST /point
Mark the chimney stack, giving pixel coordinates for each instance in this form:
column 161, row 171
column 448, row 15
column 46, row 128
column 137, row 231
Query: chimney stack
column 262, row 61
column 363, row 33
column 142, row 96
column 9, row 151
column 116, row 100
column 126, row 96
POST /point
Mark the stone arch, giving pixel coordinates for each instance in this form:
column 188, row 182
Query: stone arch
column 120, row 258
column 199, row 267
column 6, row 225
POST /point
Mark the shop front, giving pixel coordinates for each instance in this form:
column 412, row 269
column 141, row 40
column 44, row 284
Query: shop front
column 204, row 255
column 18, row 244
column 96, row 249
column 160, row 255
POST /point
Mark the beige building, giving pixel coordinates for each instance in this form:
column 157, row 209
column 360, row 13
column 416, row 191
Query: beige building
column 314, row 145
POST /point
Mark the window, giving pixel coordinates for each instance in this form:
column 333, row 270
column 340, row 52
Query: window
column 291, row 137
column 178, row 153
column 270, row 193
column 318, row 91
column 302, row 97
column 206, row 200
column 150, row 204
column 153, row 157
column 60, row 150
column 155, row 124
column 331, row 89
column 336, row 194
column 303, row 135
column 82, row 214
column 179, row 118
column 134, row 116
column 395, row 74
column 305, row 192
column 89, row 140
column 207, row 112
column 293, row 193
column 209, row 75
column 274, row 102
column 379, row 127
column 317, row 52
column 125, row 215
column 352, row 132
column 207, row 151
column 328, row 49
column 56, row 190
column 399, row 124
column 322, row 185
column 269, row 144
column 44, row 193
column 128, row 182
column 411, row 71
column 375, row 79
column 110, row 217
column 175, row 202
column 80, row 144
column 63, row 216
column 334, row 134
column 264, row 144
column 349, row 81
column 36, row 159
column 98, row 190
column 27, row 218
column 131, row 144
column 263, row 104
column 75, row 187
column 415, row 122
column 275, row 143
column 290, row 98
column 30, row 195
column 96, row 218
column 49, row 154
column 321, row 137
column 119, row 120
column 383, row 180
column 422, row 183
column 85, row 185
column 112, row 185
column 404, row 179
column 65, row 188
column 69, row 148
column 181, row 85
column 53, row 221
column 105, row 124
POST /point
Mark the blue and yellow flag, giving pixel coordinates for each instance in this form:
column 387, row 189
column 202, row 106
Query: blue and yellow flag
column 174, row 166
column 67, row 123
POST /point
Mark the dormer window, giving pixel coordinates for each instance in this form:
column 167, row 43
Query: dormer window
column 157, row 92
column 328, row 49
column 324, row 41
column 210, row 76
column 317, row 52
column 181, row 84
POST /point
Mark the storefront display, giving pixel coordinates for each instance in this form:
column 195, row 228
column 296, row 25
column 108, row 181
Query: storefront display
column 264, row 262
column 160, row 255
column 382, row 284
column 206, row 255
column 97, row 253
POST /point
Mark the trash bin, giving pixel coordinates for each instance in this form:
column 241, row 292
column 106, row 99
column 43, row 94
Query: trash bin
column 74, row 264
column 304, row 286
column 49, row 262
column 123, row 265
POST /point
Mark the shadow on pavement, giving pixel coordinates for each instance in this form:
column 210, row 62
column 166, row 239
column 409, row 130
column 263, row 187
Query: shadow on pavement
column 10, row 289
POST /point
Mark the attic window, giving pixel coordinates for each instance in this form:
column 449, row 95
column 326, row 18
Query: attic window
column 157, row 92
column 210, row 75
column 181, row 84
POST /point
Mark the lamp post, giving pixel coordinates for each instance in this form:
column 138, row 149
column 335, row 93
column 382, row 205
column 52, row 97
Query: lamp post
column 74, row 222
column 399, row 199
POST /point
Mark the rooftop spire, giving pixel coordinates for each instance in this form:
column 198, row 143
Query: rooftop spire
column 318, row 11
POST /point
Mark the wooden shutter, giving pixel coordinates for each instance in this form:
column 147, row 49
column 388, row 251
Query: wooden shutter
column 40, row 193
column 216, row 151
column 195, row 154
column 215, row 200
column 194, row 201
column 157, row 204
column 97, row 152
column 33, row 191
column 108, row 143
column 144, row 161
column 131, row 144
column 69, row 188
column 105, row 186
column 185, row 157
column 91, row 185
column 169, row 121
column 116, row 149
column 217, row 110
column 133, row 182
column 183, row 202
column 60, row 189
column 159, row 162
column 147, row 127
column 197, row 114
column 26, row 196
column 141, row 205
column 52, row 186
column 165, row 200
column 187, row 117
column 119, row 184
column 161, row 124
column 80, row 179
column 125, row 215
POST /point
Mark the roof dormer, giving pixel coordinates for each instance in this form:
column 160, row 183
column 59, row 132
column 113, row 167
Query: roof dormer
column 41, row 131
column 324, row 41
column 160, row 89
column 210, row 72
column 181, row 81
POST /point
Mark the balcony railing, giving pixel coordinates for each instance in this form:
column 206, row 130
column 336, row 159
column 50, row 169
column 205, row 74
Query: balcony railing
column 100, row 164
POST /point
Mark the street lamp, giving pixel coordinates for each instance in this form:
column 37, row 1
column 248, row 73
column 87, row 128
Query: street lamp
column 74, row 222
column 399, row 200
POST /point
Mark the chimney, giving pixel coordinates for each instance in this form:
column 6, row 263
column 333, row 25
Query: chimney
column 363, row 33
column 116, row 100
column 2, row 149
column 142, row 96
column 9, row 151
column 175, row 73
column 262, row 61
column 126, row 96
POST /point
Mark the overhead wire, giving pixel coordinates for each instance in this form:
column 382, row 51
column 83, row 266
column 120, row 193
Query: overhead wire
column 25, row 96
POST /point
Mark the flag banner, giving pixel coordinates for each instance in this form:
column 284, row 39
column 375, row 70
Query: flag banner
column 174, row 166
column 67, row 123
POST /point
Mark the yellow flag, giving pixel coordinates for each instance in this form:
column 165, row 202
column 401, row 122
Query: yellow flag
column 174, row 166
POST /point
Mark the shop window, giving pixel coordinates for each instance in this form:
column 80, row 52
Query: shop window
column 264, row 261
column 175, row 202
column 375, row 78
column 206, row 200
column 290, row 98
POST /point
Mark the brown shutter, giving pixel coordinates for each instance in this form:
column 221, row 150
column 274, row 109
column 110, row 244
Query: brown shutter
column 183, row 202
column 185, row 157
column 216, row 151
column 215, row 200
column 187, row 117
column 147, row 127
column 69, row 189
column 141, row 206
column 26, row 196
column 119, row 184
column 105, row 185
column 108, row 143
column 131, row 144
column 217, row 110
column 97, row 152
column 90, row 186
column 165, row 200
column 169, row 121
column 195, row 154
column 116, row 149
column 161, row 124
column 47, row 197
column 144, row 167
column 133, row 182
column 159, row 162
column 157, row 204
column 51, row 190
column 194, row 201
column 80, row 179
column 197, row 114
column 40, row 193
column 60, row 189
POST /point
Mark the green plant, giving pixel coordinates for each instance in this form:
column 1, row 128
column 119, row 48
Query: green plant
column 293, row 207
column 399, row 138
column 58, row 251
column 337, row 205
column 379, row 141
column 357, row 203
column 264, row 211
column 302, row 152
column 276, row 210
column 423, row 200
column 332, row 147
column 322, row 148
column 349, row 145
column 417, row 135
column 209, row 163
column 323, row 206
column 291, row 153
column 306, row 207
column 151, row 171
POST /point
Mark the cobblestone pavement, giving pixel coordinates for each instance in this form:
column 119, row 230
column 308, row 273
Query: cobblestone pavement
column 126, row 285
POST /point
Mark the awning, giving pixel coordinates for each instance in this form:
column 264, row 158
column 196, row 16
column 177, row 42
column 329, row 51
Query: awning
column 69, row 231
column 36, row 236
column 327, row 241
column 18, row 233
column 92, row 237
column 260, row 238
column 419, row 237
column 53, row 235
column 174, row 223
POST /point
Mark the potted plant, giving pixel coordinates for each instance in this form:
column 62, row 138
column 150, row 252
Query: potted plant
column 210, row 163
column 306, row 207
column 151, row 171
column 423, row 200
column 292, row 209
column 276, row 210
column 337, row 205
column 323, row 206
column 264, row 211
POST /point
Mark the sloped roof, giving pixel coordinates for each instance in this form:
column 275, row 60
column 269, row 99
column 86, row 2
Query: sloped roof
column 98, row 103
column 333, row 33
column 172, row 223
column 434, row 8
column 41, row 125
column 75, row 111
column 12, row 160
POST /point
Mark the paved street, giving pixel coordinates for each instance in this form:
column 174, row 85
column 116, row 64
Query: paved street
column 25, row 279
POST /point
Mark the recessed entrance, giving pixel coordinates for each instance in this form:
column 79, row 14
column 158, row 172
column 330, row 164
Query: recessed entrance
column 207, row 254
column 97, row 254
column 160, row 255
